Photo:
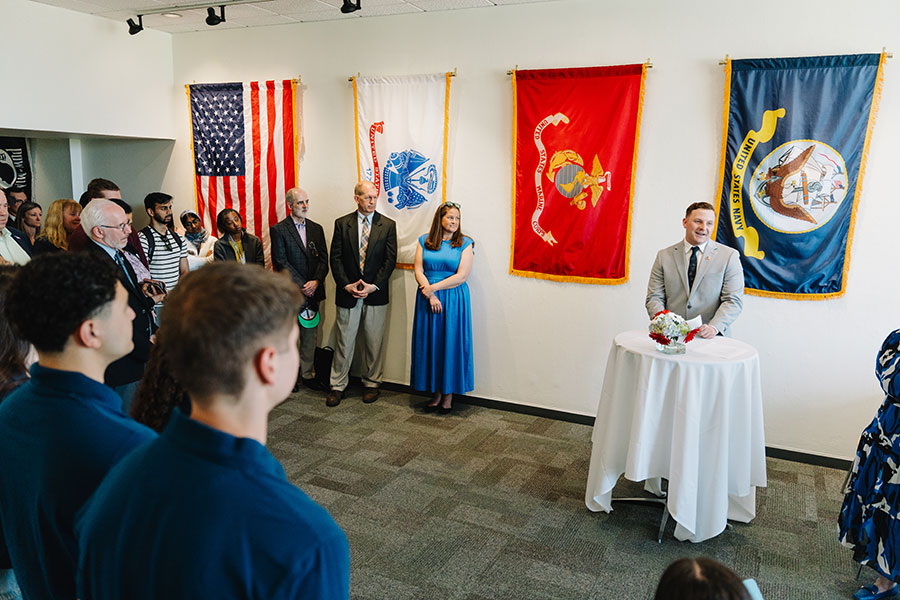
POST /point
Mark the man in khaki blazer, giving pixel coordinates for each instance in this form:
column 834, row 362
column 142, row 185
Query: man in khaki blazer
column 716, row 293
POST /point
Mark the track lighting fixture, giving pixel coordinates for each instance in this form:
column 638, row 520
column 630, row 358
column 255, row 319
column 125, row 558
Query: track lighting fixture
column 212, row 19
column 350, row 7
column 135, row 28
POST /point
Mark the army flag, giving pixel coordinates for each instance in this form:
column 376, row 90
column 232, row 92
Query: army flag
column 244, row 145
column 575, row 148
column 401, row 146
column 796, row 137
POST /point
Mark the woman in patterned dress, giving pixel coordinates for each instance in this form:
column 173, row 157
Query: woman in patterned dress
column 868, row 519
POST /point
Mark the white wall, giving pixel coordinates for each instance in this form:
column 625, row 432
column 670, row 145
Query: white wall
column 51, row 169
column 817, row 357
column 75, row 73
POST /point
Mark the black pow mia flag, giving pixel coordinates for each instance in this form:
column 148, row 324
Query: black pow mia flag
column 15, row 166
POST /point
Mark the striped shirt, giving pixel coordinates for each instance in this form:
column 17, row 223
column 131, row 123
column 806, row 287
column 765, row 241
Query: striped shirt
column 166, row 256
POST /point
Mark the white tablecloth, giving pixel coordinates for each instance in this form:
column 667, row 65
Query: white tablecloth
column 694, row 418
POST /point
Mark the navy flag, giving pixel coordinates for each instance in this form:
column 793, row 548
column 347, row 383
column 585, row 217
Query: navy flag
column 796, row 135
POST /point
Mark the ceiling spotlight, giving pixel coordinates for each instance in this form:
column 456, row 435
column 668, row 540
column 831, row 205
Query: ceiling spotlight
column 212, row 19
column 135, row 28
column 350, row 7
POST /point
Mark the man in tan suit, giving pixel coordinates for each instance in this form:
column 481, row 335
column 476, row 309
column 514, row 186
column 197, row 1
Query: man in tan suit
column 698, row 276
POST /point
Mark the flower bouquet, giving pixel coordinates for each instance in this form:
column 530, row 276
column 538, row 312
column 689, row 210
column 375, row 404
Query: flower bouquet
column 670, row 332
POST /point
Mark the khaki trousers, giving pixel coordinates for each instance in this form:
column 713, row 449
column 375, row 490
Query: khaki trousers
column 348, row 322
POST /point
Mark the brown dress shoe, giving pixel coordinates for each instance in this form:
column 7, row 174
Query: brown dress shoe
column 334, row 397
column 371, row 395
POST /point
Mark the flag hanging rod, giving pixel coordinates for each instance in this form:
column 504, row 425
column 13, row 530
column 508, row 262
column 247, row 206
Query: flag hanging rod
column 452, row 74
column 178, row 8
column 648, row 64
column 883, row 51
column 295, row 80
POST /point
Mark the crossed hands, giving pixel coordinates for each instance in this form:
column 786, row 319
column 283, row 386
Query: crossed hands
column 433, row 301
column 309, row 288
column 360, row 289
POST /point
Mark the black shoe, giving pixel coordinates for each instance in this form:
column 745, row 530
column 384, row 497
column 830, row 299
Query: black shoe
column 446, row 410
column 312, row 383
column 430, row 408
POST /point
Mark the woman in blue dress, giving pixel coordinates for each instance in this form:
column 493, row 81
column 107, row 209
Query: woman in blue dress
column 442, row 324
column 869, row 516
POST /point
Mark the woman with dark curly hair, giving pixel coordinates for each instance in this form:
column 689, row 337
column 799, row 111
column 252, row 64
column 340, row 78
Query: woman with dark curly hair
column 15, row 357
column 14, row 351
column 159, row 394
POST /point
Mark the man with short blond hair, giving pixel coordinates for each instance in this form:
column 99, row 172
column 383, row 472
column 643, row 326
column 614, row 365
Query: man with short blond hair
column 206, row 511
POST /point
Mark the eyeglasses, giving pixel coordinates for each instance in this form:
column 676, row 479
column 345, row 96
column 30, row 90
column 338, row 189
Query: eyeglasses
column 452, row 205
column 123, row 227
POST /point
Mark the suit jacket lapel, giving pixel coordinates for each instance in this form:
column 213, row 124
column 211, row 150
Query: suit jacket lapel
column 705, row 261
column 353, row 234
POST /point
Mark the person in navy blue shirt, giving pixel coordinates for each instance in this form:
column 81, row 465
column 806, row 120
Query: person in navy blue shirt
column 205, row 511
column 62, row 430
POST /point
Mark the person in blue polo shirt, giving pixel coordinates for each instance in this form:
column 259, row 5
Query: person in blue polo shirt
column 62, row 430
column 205, row 511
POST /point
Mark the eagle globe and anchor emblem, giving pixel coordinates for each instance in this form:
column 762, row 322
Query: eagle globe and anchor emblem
column 408, row 175
column 799, row 186
column 568, row 174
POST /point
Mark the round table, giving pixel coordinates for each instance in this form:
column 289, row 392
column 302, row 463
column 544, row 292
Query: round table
column 694, row 418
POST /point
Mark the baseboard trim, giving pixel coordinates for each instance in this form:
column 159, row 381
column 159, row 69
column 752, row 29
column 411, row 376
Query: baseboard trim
column 810, row 459
column 558, row 415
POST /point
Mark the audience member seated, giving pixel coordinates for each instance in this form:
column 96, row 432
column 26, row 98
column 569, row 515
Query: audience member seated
column 63, row 429
column 200, row 242
column 704, row 579
column 205, row 511
column 63, row 217
column 28, row 218
column 108, row 226
column 868, row 519
column 159, row 394
column 13, row 243
column 236, row 244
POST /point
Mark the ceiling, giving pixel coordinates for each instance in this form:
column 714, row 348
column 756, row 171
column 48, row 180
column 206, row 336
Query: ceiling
column 269, row 12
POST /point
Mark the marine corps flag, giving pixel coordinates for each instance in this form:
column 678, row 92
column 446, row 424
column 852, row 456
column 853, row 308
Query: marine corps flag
column 401, row 146
column 575, row 147
column 796, row 137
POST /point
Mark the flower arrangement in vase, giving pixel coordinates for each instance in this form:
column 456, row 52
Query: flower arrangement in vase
column 670, row 332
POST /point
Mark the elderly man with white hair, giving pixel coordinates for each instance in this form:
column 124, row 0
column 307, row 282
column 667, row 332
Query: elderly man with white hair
column 107, row 228
column 12, row 241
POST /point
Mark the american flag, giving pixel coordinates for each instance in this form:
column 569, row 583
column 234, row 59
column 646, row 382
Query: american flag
column 245, row 142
